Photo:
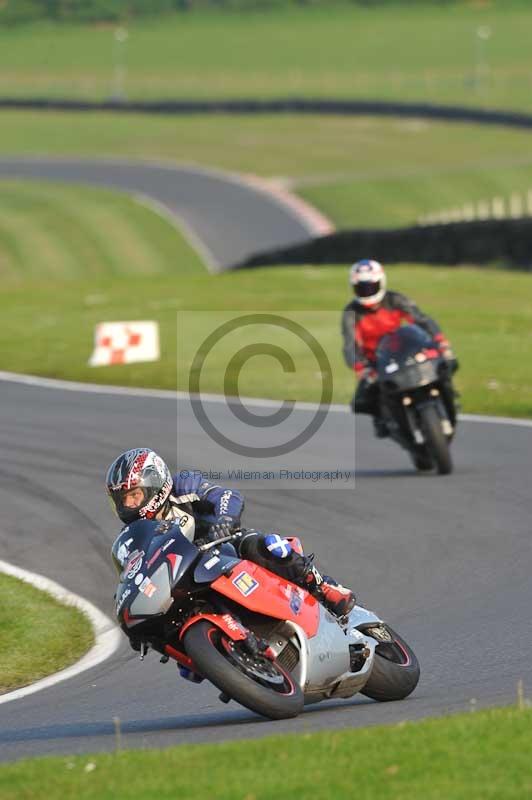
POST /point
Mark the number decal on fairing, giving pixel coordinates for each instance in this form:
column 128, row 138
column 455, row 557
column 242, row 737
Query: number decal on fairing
column 245, row 583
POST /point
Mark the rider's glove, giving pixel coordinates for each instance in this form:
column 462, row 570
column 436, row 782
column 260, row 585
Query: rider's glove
column 444, row 346
column 359, row 367
column 369, row 375
column 224, row 526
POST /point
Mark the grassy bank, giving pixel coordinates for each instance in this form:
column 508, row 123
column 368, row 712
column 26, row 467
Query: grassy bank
column 480, row 756
column 48, row 329
column 39, row 635
column 410, row 52
column 360, row 171
column 55, row 232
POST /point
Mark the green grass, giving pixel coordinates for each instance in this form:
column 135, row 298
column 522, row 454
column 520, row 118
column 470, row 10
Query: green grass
column 39, row 635
column 479, row 756
column 64, row 232
column 374, row 200
column 360, row 171
column 419, row 53
column 64, row 252
column 48, row 329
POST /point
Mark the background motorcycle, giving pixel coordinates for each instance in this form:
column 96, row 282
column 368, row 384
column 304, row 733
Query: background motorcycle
column 261, row 640
column 416, row 396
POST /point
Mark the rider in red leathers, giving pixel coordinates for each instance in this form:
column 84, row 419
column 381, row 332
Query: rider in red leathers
column 373, row 313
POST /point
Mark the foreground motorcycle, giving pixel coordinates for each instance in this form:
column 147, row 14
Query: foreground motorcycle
column 261, row 640
column 416, row 396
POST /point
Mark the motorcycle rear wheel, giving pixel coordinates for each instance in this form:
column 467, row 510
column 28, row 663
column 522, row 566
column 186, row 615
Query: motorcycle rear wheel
column 252, row 680
column 437, row 443
column 396, row 670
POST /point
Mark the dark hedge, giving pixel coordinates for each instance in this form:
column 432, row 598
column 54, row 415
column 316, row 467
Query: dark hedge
column 505, row 242
column 290, row 105
column 14, row 12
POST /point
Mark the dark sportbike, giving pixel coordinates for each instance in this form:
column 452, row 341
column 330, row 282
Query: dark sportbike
column 262, row 640
column 416, row 396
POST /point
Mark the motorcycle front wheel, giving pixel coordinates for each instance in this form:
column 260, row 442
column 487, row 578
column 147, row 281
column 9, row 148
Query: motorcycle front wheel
column 422, row 462
column 396, row 670
column 437, row 443
column 252, row 679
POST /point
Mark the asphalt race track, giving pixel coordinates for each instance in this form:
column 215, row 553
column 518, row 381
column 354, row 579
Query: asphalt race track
column 445, row 560
column 224, row 218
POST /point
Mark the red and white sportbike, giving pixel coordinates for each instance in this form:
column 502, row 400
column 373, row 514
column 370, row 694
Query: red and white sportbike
column 262, row 640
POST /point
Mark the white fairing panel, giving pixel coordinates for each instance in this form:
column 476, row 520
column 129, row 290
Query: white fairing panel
column 328, row 653
column 362, row 616
column 186, row 521
column 328, row 659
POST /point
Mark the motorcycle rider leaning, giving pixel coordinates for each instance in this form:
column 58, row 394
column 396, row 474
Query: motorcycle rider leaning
column 373, row 313
column 141, row 486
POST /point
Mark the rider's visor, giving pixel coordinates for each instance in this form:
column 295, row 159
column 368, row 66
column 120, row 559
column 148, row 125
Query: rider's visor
column 367, row 288
column 132, row 498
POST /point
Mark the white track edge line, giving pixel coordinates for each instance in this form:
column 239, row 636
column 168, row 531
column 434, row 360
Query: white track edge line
column 317, row 224
column 106, row 633
column 182, row 226
column 168, row 394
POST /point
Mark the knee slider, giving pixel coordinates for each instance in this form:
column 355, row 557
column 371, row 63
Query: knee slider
column 277, row 546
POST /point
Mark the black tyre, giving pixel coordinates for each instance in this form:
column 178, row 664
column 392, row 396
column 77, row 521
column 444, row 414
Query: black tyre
column 252, row 680
column 422, row 462
column 437, row 443
column 395, row 672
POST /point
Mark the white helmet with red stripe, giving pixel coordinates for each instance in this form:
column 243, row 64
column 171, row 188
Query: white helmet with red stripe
column 143, row 469
column 368, row 280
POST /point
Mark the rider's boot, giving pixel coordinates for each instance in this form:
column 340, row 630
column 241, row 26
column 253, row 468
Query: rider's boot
column 278, row 555
column 337, row 599
column 380, row 427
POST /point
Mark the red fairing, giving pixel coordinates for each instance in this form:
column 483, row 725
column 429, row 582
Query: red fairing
column 180, row 657
column 261, row 591
column 225, row 622
column 130, row 621
column 370, row 329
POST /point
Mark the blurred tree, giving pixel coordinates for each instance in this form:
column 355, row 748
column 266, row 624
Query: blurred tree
column 21, row 11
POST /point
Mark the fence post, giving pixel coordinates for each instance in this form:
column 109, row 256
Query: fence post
column 516, row 206
column 497, row 208
column 483, row 210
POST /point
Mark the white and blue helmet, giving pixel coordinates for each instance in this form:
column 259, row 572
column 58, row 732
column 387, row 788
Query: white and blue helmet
column 368, row 280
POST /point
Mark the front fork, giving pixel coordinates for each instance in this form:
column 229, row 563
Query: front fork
column 446, row 424
column 411, row 420
column 409, row 408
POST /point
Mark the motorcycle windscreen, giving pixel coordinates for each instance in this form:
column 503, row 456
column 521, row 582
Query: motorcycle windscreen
column 412, row 377
column 148, row 538
column 401, row 344
column 154, row 595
